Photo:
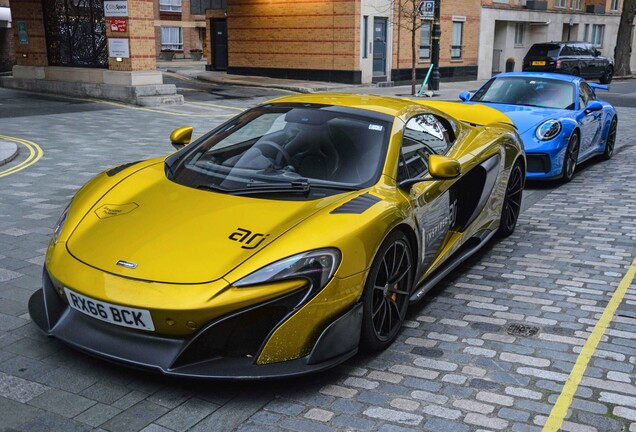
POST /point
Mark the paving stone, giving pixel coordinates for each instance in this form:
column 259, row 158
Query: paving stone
column 97, row 414
column 470, row 405
column 393, row 416
column 443, row 412
column 348, row 422
column 136, row 417
column 61, row 402
column 319, row 415
column 487, row 422
column 186, row 415
column 429, row 397
column 19, row 389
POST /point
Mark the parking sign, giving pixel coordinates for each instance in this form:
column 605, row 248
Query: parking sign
column 425, row 9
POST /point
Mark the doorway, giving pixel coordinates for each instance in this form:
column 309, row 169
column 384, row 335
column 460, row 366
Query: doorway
column 379, row 47
column 219, row 43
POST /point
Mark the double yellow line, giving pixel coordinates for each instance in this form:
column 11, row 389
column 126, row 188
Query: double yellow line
column 35, row 154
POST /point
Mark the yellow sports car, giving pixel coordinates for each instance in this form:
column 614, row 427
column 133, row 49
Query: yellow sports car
column 282, row 241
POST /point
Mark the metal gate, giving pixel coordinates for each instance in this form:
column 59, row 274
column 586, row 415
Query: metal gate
column 75, row 33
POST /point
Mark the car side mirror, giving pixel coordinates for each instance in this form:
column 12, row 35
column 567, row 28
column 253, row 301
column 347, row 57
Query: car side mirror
column 439, row 168
column 597, row 53
column 593, row 106
column 464, row 96
column 180, row 137
column 443, row 167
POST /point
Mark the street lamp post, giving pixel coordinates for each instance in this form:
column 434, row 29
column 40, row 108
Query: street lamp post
column 437, row 33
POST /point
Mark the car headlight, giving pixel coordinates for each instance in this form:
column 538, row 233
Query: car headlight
column 317, row 266
column 60, row 224
column 548, row 130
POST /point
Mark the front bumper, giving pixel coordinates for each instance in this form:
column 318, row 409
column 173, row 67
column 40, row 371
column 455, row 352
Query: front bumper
column 545, row 159
column 220, row 350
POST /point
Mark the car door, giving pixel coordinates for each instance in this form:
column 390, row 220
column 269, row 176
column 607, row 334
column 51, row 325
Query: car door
column 589, row 122
column 433, row 202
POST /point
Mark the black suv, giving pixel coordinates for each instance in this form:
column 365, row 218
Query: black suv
column 573, row 58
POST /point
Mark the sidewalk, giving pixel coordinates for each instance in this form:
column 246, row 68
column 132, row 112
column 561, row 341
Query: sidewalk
column 8, row 151
column 447, row 91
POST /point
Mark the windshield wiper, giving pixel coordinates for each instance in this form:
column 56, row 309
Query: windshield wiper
column 297, row 186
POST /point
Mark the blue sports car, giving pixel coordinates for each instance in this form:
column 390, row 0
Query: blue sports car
column 559, row 118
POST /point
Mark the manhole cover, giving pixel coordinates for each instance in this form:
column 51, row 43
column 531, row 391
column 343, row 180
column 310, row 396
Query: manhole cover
column 524, row 330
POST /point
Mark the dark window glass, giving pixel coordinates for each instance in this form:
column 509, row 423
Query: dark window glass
column 278, row 145
column 585, row 95
column 544, row 50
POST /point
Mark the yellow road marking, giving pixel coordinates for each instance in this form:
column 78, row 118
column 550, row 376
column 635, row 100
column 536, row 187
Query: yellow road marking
column 177, row 76
column 560, row 408
column 35, row 154
column 217, row 106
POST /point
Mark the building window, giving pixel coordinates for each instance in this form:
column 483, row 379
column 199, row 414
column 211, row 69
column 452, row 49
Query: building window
column 456, row 41
column 586, row 33
column 597, row 34
column 519, row 34
column 171, row 38
column 365, row 36
column 615, row 4
column 560, row 4
column 425, row 40
column 170, row 5
column 579, row 4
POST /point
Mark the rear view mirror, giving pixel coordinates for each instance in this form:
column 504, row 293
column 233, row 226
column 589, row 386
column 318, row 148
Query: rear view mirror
column 180, row 137
column 464, row 96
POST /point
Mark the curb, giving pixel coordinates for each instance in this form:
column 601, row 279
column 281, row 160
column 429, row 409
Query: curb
column 291, row 87
column 8, row 152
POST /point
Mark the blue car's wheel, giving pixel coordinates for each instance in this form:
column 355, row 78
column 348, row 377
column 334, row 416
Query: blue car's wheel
column 571, row 157
column 611, row 140
column 387, row 292
column 512, row 202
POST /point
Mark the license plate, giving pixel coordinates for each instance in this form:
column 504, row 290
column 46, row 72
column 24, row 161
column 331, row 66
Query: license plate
column 114, row 314
column 538, row 63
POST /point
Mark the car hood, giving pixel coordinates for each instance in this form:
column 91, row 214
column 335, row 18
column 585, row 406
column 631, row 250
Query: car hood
column 161, row 231
column 526, row 117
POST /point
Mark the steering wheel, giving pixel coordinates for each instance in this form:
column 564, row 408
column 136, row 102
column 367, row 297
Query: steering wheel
column 280, row 151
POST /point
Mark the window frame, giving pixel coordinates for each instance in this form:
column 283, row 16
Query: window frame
column 170, row 45
column 425, row 24
column 457, row 48
column 170, row 6
column 365, row 36
column 560, row 4
column 615, row 5
column 595, row 34
column 519, row 31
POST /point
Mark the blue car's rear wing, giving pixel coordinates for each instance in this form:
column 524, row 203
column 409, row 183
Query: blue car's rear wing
column 598, row 86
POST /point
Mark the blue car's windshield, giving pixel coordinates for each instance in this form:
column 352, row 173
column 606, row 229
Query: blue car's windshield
column 538, row 92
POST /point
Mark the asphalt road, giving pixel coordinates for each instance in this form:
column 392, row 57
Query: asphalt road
column 491, row 348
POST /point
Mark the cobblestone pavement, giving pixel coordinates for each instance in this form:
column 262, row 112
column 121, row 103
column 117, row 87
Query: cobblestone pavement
column 489, row 349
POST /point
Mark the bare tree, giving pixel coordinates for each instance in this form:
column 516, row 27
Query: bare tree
column 406, row 17
column 623, row 50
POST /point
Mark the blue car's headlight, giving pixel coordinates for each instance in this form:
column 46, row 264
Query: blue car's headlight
column 548, row 129
column 60, row 224
column 318, row 266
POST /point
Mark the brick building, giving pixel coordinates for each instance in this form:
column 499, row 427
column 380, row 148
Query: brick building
column 510, row 27
column 7, row 50
column 350, row 41
column 179, row 28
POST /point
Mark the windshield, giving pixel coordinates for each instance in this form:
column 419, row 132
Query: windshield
column 538, row 92
column 544, row 50
column 290, row 149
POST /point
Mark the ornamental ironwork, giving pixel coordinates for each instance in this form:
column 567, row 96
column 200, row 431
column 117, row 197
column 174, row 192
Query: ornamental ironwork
column 75, row 33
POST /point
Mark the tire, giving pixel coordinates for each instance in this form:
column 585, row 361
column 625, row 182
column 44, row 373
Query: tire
column 386, row 293
column 512, row 202
column 607, row 76
column 571, row 158
column 575, row 72
column 610, row 142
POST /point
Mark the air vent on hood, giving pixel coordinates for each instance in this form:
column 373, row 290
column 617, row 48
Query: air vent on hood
column 111, row 172
column 357, row 205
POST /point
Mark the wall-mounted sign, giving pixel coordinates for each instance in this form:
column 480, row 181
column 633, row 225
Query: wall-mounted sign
column 426, row 9
column 116, row 8
column 118, row 25
column 118, row 47
column 23, row 35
